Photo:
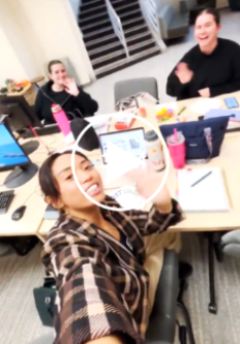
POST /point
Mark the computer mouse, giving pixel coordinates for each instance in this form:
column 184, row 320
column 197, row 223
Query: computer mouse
column 18, row 213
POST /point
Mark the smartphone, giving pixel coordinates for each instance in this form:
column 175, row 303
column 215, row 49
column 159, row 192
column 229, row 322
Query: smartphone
column 231, row 103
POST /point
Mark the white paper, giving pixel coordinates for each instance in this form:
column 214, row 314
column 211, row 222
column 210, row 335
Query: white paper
column 209, row 195
column 202, row 106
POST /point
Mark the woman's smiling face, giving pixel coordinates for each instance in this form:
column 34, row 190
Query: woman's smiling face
column 206, row 30
column 70, row 195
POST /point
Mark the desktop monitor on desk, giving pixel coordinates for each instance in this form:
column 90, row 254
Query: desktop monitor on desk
column 19, row 115
column 13, row 157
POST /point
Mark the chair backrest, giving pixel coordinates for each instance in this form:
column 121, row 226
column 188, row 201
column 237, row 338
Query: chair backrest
column 230, row 243
column 162, row 321
column 126, row 88
column 69, row 67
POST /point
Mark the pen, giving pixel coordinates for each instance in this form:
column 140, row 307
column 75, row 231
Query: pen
column 181, row 111
column 203, row 177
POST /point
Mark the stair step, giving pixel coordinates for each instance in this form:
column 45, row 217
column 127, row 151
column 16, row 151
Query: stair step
column 139, row 38
column 99, row 41
column 139, row 47
column 96, row 26
column 97, row 34
column 119, row 3
column 124, row 8
column 132, row 22
column 111, row 60
column 103, row 15
column 91, row 4
column 104, row 50
column 130, row 15
column 92, row 25
column 110, row 56
column 124, row 62
column 136, row 29
column 88, row 12
column 134, row 49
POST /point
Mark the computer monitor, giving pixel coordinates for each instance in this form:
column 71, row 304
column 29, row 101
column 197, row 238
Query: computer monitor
column 20, row 115
column 28, row 111
column 13, row 157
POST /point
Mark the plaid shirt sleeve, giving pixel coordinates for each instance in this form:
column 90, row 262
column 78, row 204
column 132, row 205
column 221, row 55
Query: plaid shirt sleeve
column 155, row 222
column 88, row 305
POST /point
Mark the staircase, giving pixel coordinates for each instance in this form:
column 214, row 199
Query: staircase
column 105, row 50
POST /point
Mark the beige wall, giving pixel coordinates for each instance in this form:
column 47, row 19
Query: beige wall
column 15, row 59
column 40, row 31
column 9, row 63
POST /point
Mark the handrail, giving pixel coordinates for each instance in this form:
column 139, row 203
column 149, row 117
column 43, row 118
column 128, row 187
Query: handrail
column 149, row 12
column 117, row 25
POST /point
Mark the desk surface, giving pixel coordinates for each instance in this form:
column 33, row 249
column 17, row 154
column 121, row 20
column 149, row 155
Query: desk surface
column 33, row 223
column 28, row 194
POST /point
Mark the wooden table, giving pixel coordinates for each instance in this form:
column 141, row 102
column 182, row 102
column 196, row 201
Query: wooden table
column 227, row 161
column 29, row 194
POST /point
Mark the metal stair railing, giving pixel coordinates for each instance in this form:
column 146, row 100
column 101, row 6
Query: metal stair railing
column 149, row 12
column 117, row 26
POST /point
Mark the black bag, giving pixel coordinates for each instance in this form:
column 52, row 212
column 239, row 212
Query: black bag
column 90, row 140
column 45, row 301
column 203, row 138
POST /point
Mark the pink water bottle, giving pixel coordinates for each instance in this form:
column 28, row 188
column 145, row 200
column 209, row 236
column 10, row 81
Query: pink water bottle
column 61, row 119
column 177, row 149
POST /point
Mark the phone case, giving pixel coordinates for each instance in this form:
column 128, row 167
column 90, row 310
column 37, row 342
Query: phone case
column 231, row 103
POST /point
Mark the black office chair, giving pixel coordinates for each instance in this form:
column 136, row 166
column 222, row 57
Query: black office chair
column 126, row 88
column 169, row 296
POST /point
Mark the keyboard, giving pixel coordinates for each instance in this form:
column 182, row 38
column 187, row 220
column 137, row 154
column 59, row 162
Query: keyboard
column 46, row 130
column 5, row 200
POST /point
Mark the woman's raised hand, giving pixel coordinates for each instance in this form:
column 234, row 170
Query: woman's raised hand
column 183, row 73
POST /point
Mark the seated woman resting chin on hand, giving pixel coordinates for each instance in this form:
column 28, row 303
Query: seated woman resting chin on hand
column 106, row 263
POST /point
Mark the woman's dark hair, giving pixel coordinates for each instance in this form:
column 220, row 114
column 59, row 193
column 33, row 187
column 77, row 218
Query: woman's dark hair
column 52, row 63
column 47, row 181
column 213, row 11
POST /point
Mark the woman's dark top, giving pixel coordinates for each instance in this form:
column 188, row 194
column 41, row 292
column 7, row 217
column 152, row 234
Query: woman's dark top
column 219, row 71
column 46, row 97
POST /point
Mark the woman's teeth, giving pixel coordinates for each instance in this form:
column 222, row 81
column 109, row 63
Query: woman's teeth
column 92, row 188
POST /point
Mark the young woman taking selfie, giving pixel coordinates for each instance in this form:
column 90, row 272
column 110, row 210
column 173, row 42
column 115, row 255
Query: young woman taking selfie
column 106, row 263
column 209, row 69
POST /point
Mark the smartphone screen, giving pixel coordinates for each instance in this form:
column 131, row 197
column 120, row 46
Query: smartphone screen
column 231, row 103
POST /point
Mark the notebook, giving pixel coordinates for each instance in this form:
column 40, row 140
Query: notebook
column 234, row 120
column 233, row 114
column 208, row 195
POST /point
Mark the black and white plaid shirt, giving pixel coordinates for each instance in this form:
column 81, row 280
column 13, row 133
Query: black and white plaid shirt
column 102, row 285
